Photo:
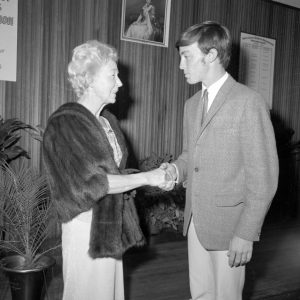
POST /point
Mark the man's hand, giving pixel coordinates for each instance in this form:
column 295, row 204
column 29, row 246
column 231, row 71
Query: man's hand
column 171, row 176
column 240, row 252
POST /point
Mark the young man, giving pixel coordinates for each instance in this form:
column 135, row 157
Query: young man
column 229, row 161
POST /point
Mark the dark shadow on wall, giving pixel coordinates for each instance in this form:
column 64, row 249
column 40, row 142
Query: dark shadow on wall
column 233, row 68
column 285, row 203
column 124, row 101
column 121, row 108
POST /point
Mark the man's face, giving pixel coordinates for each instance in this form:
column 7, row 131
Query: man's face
column 193, row 63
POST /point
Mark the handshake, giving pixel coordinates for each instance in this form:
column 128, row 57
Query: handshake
column 163, row 177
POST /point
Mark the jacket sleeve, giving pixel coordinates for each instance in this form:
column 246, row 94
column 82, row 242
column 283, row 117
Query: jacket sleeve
column 261, row 167
column 182, row 160
column 76, row 164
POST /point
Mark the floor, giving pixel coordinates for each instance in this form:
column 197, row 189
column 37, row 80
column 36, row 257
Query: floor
column 159, row 271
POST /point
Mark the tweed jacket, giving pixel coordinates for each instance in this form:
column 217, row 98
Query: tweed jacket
column 77, row 158
column 230, row 164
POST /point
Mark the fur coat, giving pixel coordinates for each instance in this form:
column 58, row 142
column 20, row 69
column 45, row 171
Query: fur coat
column 77, row 157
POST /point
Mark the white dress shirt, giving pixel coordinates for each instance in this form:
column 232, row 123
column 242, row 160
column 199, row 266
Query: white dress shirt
column 214, row 89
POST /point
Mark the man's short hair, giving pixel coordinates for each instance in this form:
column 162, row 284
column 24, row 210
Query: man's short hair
column 208, row 35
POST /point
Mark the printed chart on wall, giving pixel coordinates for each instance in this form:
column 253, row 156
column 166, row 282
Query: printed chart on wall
column 256, row 67
column 8, row 39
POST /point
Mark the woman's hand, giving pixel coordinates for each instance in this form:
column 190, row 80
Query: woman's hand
column 156, row 177
column 122, row 183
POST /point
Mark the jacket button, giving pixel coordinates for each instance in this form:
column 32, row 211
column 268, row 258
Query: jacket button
column 196, row 169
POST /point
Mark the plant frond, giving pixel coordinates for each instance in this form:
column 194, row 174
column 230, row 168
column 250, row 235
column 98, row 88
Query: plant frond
column 26, row 211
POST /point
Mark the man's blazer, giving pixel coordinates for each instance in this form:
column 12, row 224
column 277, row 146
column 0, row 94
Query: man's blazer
column 230, row 164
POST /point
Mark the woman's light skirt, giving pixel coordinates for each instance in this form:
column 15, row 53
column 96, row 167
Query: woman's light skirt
column 84, row 277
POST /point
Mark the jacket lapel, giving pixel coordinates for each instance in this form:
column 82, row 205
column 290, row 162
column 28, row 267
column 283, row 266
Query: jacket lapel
column 196, row 113
column 218, row 102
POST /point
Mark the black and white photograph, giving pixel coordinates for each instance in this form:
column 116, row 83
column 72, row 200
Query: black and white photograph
column 149, row 150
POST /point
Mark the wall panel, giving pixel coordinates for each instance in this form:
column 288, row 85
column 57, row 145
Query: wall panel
column 150, row 104
column 2, row 98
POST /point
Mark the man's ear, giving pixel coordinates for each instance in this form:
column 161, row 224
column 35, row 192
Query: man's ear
column 212, row 55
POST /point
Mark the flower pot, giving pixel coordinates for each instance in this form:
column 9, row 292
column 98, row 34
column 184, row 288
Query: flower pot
column 26, row 284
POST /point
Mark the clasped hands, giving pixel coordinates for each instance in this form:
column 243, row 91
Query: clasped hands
column 163, row 177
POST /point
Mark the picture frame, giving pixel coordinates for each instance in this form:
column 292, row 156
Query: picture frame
column 146, row 21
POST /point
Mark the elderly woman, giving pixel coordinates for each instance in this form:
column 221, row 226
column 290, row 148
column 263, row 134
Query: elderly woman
column 85, row 157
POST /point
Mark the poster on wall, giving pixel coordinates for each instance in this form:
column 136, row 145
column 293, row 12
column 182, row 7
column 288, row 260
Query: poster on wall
column 8, row 39
column 256, row 67
column 146, row 21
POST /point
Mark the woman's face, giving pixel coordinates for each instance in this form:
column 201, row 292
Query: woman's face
column 106, row 82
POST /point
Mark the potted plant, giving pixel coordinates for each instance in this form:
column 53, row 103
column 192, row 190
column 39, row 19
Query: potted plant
column 159, row 209
column 9, row 137
column 26, row 214
column 164, row 214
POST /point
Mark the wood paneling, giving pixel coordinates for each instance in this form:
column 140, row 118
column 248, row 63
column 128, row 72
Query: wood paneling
column 2, row 97
column 150, row 104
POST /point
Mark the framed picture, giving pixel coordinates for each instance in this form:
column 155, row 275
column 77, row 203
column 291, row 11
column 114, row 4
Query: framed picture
column 146, row 21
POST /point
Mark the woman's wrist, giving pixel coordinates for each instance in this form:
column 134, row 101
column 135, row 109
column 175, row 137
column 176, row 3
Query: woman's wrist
column 146, row 177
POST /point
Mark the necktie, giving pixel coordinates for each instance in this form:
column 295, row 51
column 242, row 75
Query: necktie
column 204, row 100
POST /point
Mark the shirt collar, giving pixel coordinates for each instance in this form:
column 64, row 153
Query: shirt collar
column 215, row 87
